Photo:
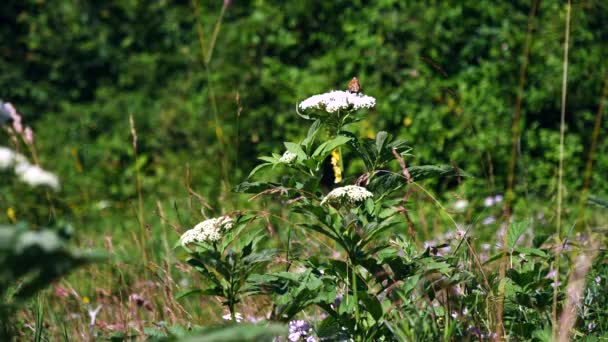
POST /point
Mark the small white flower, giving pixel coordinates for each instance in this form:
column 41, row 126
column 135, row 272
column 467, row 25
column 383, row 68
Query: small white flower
column 488, row 201
column 288, row 157
column 461, row 204
column 10, row 158
column 498, row 199
column 208, row 230
column 237, row 316
column 338, row 100
column 35, row 176
column 350, row 194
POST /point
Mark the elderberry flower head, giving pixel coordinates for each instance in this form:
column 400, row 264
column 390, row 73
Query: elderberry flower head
column 349, row 194
column 338, row 100
column 207, row 231
column 288, row 157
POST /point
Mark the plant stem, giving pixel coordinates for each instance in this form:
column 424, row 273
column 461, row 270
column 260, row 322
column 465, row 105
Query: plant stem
column 561, row 169
column 355, row 296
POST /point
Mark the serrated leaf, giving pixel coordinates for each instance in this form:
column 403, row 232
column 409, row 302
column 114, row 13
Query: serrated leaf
column 514, row 232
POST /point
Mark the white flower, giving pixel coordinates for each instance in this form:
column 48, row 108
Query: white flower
column 237, row 316
column 336, row 100
column 288, row 157
column 489, row 201
column 461, row 204
column 35, row 176
column 349, row 194
column 208, row 230
column 9, row 158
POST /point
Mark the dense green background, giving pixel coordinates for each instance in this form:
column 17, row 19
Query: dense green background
column 445, row 74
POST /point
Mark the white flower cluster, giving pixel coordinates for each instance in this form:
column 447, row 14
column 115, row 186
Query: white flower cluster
column 349, row 194
column 288, row 157
column 208, row 230
column 335, row 100
column 31, row 174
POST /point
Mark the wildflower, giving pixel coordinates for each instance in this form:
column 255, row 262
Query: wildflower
column 10, row 213
column 300, row 330
column 598, row 280
column 10, row 158
column 208, row 230
column 93, row 314
column 338, row 100
column 335, row 164
column 237, row 316
column 288, row 157
column 35, row 176
column 5, row 115
column 461, row 204
column 460, row 233
column 28, row 135
column 349, row 194
column 488, row 201
column 488, row 220
column 498, row 199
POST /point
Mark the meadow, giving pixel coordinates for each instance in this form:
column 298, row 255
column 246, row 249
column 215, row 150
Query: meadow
column 303, row 171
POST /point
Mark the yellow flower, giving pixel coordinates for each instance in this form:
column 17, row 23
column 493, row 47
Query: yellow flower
column 10, row 212
column 335, row 163
column 407, row 121
column 86, row 300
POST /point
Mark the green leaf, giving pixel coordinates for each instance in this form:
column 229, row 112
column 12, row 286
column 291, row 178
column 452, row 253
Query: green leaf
column 600, row 202
column 429, row 171
column 296, row 149
column 380, row 141
column 312, row 134
column 258, row 168
column 253, row 187
column 515, row 231
column 325, row 149
column 188, row 293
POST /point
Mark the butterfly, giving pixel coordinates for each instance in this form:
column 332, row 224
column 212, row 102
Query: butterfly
column 354, row 86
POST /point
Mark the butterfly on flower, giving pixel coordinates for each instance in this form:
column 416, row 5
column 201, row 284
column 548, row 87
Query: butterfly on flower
column 354, row 86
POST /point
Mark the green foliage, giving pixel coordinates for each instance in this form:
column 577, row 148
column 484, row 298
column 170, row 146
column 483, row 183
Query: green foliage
column 30, row 261
column 230, row 333
column 228, row 264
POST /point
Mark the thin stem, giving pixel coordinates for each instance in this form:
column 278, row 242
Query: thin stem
column 355, row 296
column 589, row 166
column 140, row 201
column 561, row 167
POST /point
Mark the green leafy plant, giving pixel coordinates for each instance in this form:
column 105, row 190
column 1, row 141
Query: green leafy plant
column 226, row 254
column 360, row 220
